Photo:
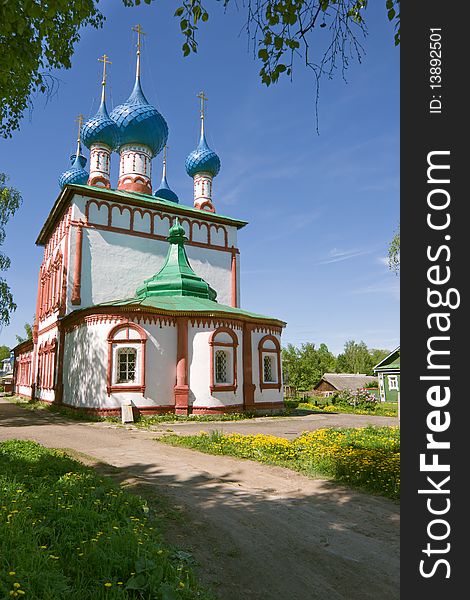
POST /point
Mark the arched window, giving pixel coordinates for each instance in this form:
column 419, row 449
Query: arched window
column 269, row 351
column 126, row 358
column 223, row 343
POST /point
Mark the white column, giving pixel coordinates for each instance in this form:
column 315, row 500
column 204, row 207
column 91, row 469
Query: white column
column 135, row 169
column 100, row 161
column 203, row 192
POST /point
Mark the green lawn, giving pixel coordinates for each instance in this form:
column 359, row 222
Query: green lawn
column 70, row 534
column 367, row 458
column 323, row 405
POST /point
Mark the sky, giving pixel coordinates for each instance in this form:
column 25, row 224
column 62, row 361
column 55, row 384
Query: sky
column 322, row 207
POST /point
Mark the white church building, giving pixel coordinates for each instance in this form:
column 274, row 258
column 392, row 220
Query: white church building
column 138, row 295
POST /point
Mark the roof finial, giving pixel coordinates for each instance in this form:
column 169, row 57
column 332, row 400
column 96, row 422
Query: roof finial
column 138, row 30
column 165, row 147
column 105, row 61
column 79, row 120
column 203, row 100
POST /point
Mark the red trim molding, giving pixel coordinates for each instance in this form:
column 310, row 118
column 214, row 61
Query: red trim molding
column 248, row 385
column 235, row 408
column 277, row 351
column 231, row 346
column 77, row 271
column 234, row 279
column 181, row 389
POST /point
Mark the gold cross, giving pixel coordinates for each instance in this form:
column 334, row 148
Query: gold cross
column 105, row 61
column 79, row 120
column 138, row 30
column 203, row 99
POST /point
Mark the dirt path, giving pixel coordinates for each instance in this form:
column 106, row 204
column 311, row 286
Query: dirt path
column 258, row 532
column 287, row 427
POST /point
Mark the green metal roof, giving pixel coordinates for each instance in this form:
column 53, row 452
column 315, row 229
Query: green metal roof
column 160, row 202
column 190, row 305
column 176, row 289
column 176, row 277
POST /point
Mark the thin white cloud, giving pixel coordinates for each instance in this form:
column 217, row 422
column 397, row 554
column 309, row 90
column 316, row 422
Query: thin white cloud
column 336, row 255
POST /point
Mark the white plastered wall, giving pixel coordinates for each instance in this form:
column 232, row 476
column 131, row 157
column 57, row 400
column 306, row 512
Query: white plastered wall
column 266, row 395
column 86, row 367
column 115, row 264
column 199, row 357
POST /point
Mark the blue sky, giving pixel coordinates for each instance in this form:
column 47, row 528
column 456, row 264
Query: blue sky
column 322, row 208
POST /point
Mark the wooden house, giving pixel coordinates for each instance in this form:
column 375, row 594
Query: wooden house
column 388, row 372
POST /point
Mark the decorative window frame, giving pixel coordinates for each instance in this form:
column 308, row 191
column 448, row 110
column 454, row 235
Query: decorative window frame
column 231, row 348
column 262, row 351
column 392, row 381
column 46, row 365
column 139, row 344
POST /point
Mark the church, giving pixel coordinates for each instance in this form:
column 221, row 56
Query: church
column 138, row 297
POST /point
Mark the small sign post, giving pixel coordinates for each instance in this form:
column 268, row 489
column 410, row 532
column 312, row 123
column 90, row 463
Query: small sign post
column 127, row 416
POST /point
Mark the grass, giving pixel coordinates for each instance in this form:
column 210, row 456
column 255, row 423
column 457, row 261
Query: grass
column 144, row 421
column 323, row 405
column 68, row 533
column 365, row 458
column 64, row 411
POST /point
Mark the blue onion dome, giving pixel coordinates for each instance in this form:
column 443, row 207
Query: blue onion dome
column 101, row 129
column 76, row 174
column 202, row 160
column 139, row 122
column 165, row 192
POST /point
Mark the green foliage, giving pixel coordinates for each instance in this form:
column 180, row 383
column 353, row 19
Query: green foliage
column 29, row 334
column 283, row 32
column 67, row 533
column 355, row 358
column 378, row 355
column 10, row 201
column 366, row 458
column 36, row 37
column 4, row 352
column 394, row 253
column 361, row 399
column 304, row 367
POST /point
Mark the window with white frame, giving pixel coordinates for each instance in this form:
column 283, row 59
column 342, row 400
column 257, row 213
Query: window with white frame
column 126, row 365
column 393, row 382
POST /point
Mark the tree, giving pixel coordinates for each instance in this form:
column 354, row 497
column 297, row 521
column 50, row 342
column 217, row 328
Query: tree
column 281, row 32
column 304, row 367
column 29, row 334
column 394, row 253
column 378, row 355
column 355, row 358
column 10, row 200
column 37, row 37
column 4, row 352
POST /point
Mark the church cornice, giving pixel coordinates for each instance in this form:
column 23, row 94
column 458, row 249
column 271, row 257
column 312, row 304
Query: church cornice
column 131, row 199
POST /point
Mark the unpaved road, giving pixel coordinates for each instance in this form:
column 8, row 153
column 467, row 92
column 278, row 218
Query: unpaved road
column 258, row 532
column 287, row 427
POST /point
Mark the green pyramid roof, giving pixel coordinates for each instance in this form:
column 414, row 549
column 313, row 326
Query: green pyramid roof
column 176, row 277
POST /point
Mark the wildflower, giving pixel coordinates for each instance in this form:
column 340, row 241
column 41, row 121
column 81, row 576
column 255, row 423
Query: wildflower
column 12, row 573
column 108, row 584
